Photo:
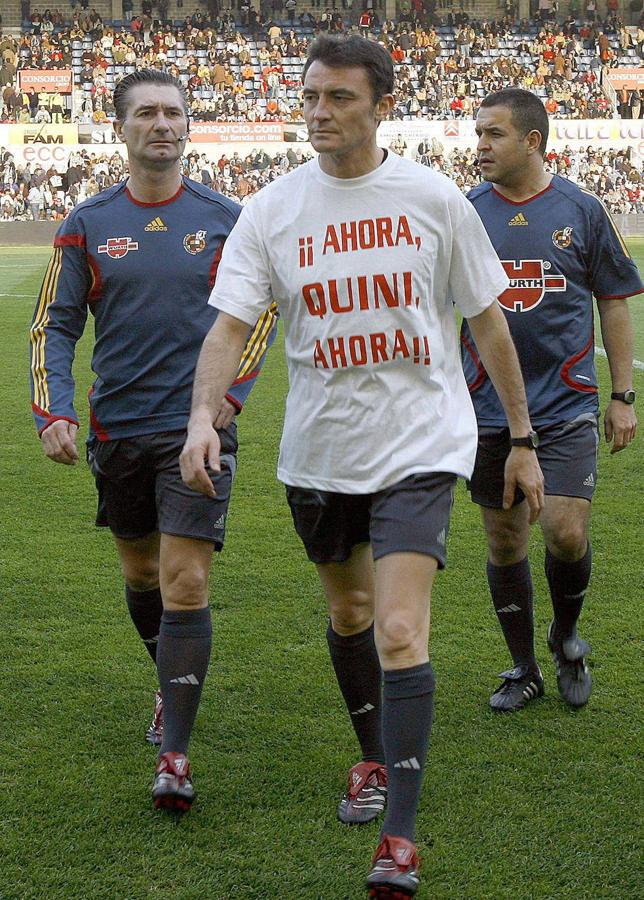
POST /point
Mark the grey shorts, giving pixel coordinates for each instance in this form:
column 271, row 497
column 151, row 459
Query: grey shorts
column 411, row 516
column 140, row 488
column 567, row 455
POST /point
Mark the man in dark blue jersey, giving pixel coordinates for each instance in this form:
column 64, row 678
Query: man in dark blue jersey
column 142, row 257
column 559, row 246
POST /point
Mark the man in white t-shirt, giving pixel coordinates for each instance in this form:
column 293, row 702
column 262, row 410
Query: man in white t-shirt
column 366, row 253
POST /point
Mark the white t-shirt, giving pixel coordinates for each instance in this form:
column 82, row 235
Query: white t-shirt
column 365, row 272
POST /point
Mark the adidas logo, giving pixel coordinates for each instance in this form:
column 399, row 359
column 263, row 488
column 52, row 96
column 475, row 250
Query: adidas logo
column 519, row 219
column 156, row 224
column 441, row 537
column 407, row 764
column 363, row 709
column 221, row 521
column 589, row 481
column 511, row 608
column 185, row 679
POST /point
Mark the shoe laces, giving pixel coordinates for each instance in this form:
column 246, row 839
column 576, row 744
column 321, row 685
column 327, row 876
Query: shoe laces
column 399, row 850
column 176, row 764
column 369, row 773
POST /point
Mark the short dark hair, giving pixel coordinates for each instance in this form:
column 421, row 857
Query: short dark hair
column 143, row 76
column 526, row 111
column 352, row 51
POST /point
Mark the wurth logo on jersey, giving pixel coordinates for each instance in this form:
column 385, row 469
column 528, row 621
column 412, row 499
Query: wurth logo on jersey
column 528, row 284
column 117, row 248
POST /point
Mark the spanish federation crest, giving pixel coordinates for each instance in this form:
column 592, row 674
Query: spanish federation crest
column 562, row 238
column 195, row 243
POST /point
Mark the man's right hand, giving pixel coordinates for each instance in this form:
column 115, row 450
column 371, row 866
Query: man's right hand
column 59, row 442
column 202, row 447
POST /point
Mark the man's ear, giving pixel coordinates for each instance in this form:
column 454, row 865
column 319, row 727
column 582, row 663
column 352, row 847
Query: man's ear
column 384, row 106
column 534, row 138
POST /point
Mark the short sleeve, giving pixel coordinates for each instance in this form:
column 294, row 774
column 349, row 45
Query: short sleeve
column 476, row 275
column 243, row 285
column 613, row 272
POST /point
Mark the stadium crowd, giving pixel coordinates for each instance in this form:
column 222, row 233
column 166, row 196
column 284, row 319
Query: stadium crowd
column 31, row 192
column 249, row 68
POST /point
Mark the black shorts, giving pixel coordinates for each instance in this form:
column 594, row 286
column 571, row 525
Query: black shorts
column 411, row 516
column 140, row 488
column 567, row 455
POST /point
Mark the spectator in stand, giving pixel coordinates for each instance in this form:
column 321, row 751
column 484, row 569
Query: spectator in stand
column 35, row 199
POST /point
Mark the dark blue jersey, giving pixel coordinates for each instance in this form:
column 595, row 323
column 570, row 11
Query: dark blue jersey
column 558, row 249
column 145, row 272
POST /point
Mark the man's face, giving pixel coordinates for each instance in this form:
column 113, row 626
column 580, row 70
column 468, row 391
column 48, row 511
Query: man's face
column 339, row 110
column 154, row 125
column 502, row 151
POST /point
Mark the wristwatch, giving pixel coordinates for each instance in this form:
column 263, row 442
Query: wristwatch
column 531, row 440
column 624, row 396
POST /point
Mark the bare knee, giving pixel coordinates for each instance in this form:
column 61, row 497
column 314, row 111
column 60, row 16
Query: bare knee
column 569, row 542
column 140, row 562
column 185, row 588
column 507, row 538
column 142, row 578
column 400, row 640
column 351, row 612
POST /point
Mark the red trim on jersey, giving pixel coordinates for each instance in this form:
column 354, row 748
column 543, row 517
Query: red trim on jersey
column 233, row 402
column 159, row 203
column 212, row 274
column 70, row 240
column 97, row 428
column 50, row 419
column 248, row 377
column 567, row 366
column 481, row 374
column 521, row 202
column 621, row 296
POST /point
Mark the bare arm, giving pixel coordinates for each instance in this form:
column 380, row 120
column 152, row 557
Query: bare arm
column 498, row 355
column 216, row 369
column 620, row 422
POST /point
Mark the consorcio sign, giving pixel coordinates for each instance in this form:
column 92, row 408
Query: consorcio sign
column 629, row 77
column 236, row 132
column 51, row 81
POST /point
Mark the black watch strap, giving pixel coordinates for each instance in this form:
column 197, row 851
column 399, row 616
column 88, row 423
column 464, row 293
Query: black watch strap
column 624, row 396
column 531, row 440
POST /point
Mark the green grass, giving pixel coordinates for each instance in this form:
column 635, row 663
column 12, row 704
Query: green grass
column 539, row 806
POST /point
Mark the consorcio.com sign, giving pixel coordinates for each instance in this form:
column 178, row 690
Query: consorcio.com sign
column 252, row 132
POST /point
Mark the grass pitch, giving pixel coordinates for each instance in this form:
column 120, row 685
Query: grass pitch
column 541, row 805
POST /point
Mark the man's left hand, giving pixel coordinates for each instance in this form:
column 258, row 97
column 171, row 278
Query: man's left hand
column 620, row 425
column 225, row 415
column 522, row 470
